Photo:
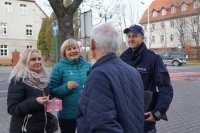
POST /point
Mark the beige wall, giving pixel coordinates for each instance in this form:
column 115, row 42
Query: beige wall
column 167, row 31
column 16, row 37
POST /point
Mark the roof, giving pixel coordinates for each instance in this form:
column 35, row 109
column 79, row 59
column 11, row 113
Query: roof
column 157, row 5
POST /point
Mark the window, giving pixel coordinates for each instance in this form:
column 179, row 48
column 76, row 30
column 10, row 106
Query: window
column 3, row 50
column 162, row 38
column 23, row 8
column 194, row 20
column 162, row 24
column 153, row 38
column 196, row 4
column 173, row 9
column 186, row 37
column 194, row 35
column 183, row 22
column 29, row 47
column 166, row 55
column 3, row 28
column 184, row 7
column 8, row 7
column 154, row 13
column 164, row 11
column 172, row 23
column 171, row 37
column 29, row 30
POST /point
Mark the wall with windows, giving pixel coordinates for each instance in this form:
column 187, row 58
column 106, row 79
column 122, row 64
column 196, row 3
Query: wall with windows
column 166, row 33
column 20, row 22
column 168, row 20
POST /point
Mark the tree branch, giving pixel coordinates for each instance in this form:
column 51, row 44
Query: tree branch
column 71, row 9
column 58, row 7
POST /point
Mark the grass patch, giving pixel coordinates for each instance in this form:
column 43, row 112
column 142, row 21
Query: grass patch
column 193, row 62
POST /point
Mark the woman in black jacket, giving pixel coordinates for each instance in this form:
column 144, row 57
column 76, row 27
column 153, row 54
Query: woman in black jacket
column 28, row 93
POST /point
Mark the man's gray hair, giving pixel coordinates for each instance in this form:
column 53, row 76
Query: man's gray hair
column 106, row 38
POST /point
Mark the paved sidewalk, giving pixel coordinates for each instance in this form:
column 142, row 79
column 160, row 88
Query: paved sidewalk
column 5, row 69
column 2, row 79
column 183, row 113
column 4, row 117
column 4, row 72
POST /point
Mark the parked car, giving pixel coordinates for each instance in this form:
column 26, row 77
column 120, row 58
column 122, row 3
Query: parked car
column 175, row 58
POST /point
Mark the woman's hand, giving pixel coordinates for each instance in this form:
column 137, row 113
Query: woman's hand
column 42, row 100
column 72, row 84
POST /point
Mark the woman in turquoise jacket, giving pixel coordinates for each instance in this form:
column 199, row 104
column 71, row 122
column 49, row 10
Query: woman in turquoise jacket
column 66, row 83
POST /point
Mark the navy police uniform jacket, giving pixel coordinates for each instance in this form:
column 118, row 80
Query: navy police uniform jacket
column 112, row 100
column 155, row 78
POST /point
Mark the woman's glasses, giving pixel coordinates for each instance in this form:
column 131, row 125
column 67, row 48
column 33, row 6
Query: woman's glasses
column 34, row 59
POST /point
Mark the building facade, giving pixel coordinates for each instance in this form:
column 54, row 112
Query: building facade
column 20, row 23
column 173, row 25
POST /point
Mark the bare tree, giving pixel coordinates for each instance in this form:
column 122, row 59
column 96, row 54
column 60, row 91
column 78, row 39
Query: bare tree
column 197, row 37
column 195, row 29
column 163, row 37
column 181, row 28
column 65, row 15
column 76, row 19
column 188, row 28
column 102, row 10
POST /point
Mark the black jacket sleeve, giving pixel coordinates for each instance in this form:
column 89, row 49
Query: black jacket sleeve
column 17, row 102
column 165, row 90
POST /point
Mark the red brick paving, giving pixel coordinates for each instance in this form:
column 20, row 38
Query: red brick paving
column 185, row 76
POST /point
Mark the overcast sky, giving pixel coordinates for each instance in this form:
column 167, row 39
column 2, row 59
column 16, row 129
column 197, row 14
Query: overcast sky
column 138, row 8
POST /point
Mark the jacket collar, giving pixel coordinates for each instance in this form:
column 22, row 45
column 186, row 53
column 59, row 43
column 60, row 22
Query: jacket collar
column 72, row 62
column 131, row 58
column 128, row 54
column 103, row 60
column 138, row 51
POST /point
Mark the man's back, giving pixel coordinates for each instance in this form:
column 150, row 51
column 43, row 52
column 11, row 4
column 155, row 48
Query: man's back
column 113, row 98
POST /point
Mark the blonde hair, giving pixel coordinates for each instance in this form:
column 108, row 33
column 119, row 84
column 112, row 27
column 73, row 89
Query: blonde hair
column 21, row 69
column 67, row 43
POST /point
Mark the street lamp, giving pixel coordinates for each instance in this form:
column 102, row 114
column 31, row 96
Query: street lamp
column 148, row 27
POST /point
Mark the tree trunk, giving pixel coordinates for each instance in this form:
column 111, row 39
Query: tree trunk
column 66, row 28
column 64, row 15
column 197, row 38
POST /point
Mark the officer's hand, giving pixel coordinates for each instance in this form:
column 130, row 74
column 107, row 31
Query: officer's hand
column 72, row 84
column 149, row 117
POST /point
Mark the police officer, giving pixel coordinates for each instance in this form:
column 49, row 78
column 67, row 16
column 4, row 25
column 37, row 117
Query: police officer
column 154, row 75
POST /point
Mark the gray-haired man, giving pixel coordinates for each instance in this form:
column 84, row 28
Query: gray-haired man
column 112, row 100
